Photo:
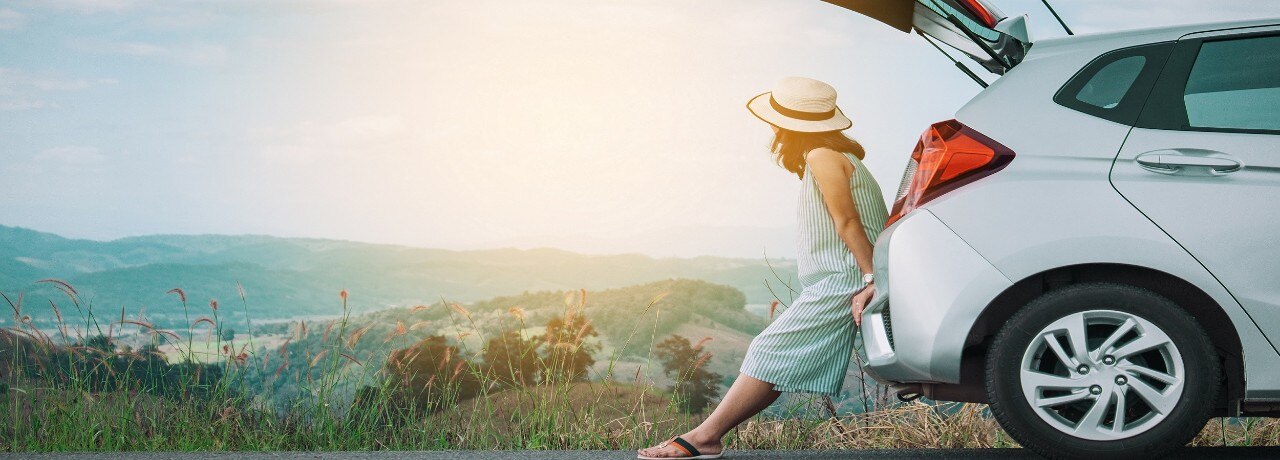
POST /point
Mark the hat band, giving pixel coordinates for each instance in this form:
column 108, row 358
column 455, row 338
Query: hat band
column 799, row 114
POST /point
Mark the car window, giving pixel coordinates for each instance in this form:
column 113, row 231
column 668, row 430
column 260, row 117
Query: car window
column 1235, row 84
column 1111, row 83
column 1115, row 85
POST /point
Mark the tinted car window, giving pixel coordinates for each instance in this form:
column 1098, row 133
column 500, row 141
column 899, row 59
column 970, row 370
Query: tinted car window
column 1109, row 85
column 1116, row 84
column 1235, row 84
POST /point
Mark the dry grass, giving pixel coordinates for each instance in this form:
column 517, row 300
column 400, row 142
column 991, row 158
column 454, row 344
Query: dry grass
column 38, row 416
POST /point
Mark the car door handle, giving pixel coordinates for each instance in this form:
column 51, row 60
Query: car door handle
column 1188, row 161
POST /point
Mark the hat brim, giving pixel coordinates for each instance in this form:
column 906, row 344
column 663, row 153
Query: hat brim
column 760, row 107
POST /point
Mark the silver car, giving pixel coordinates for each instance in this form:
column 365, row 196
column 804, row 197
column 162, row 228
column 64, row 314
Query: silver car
column 1091, row 245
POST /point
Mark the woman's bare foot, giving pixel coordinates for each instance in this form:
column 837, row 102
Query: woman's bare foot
column 669, row 449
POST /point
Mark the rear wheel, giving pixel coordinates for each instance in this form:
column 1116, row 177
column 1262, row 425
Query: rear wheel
column 1102, row 370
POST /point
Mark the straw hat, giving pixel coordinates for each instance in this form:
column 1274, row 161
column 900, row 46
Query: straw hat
column 800, row 104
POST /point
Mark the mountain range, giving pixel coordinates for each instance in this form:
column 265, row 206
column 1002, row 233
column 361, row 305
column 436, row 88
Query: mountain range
column 292, row 277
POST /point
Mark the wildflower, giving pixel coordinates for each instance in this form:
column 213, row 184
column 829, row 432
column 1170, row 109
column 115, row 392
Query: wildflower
column 517, row 312
column 64, row 287
column 318, row 357
column 138, row 323
column 773, row 306
column 213, row 304
column 343, row 295
column 181, row 295
column 327, row 330
column 226, row 414
column 702, row 342
column 702, row 360
column 418, row 308
column 355, row 336
column 399, row 331
column 448, row 356
column 284, row 347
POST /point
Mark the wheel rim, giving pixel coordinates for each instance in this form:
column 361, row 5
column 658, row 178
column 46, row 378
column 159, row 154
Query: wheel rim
column 1102, row 375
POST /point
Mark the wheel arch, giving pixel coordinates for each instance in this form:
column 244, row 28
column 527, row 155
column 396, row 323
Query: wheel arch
column 1211, row 315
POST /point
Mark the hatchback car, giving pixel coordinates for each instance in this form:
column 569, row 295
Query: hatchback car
column 1090, row 246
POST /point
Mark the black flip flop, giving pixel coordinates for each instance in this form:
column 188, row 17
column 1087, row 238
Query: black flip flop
column 690, row 451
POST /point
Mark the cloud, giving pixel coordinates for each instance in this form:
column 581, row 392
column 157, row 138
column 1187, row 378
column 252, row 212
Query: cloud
column 91, row 6
column 11, row 20
column 194, row 54
column 24, row 104
column 310, row 141
column 21, row 90
column 182, row 20
column 64, row 159
column 70, row 156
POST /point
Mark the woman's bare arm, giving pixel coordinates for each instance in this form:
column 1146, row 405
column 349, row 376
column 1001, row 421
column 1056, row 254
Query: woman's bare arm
column 831, row 171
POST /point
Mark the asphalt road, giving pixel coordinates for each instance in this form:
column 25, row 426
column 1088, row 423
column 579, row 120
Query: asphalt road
column 1197, row 453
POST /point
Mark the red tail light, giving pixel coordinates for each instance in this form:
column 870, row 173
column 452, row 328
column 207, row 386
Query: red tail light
column 948, row 156
column 980, row 12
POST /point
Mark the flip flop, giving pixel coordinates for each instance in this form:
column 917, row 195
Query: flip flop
column 690, row 451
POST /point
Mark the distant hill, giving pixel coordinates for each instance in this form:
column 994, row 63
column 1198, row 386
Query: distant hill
column 289, row 277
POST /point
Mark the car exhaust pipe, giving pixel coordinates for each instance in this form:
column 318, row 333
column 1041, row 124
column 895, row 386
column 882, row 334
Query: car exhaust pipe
column 908, row 392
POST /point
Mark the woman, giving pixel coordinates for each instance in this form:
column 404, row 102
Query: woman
column 841, row 211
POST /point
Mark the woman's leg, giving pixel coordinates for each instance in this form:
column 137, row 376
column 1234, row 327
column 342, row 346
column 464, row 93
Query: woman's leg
column 746, row 398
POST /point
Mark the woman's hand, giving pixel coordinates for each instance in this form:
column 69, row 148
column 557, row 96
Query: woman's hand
column 860, row 301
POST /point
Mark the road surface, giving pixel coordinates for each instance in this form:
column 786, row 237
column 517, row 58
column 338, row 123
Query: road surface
column 1191, row 453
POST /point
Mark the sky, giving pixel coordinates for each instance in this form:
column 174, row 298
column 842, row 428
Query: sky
column 600, row 126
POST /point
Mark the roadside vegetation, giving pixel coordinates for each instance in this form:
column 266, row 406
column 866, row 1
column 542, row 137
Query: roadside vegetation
column 502, row 374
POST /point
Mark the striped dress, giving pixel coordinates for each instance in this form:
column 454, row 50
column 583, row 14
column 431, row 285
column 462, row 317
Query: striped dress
column 807, row 348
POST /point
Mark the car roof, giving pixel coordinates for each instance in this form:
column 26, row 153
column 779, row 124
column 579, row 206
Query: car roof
column 1149, row 35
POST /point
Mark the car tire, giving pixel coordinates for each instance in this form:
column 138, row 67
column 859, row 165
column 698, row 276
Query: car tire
column 1164, row 393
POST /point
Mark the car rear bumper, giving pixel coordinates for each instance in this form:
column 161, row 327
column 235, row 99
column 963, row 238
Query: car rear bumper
column 931, row 287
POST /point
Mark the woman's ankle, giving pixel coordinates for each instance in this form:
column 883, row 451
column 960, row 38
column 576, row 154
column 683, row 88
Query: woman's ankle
column 699, row 438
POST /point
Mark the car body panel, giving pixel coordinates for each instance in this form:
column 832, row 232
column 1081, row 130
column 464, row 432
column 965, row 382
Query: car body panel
column 1225, row 220
column 937, row 283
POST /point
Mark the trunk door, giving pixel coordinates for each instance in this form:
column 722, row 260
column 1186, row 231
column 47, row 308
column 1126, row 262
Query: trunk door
column 975, row 27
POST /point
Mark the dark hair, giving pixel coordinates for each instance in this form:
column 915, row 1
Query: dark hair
column 789, row 147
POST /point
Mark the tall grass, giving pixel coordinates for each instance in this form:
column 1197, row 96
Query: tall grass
column 54, row 398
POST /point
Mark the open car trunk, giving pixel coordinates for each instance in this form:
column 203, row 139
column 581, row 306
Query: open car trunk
column 974, row 27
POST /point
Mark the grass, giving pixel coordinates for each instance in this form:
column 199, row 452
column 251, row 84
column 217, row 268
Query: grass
column 39, row 413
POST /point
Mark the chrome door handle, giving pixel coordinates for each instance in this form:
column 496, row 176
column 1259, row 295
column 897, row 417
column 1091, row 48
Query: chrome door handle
column 1188, row 161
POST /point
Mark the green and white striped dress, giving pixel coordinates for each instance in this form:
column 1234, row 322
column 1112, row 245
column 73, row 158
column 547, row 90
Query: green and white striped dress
column 807, row 348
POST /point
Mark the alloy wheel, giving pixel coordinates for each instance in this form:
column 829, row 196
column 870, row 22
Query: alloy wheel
column 1102, row 375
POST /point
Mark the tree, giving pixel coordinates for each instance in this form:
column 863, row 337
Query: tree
column 567, row 355
column 228, row 334
column 431, row 374
column 694, row 386
column 512, row 359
